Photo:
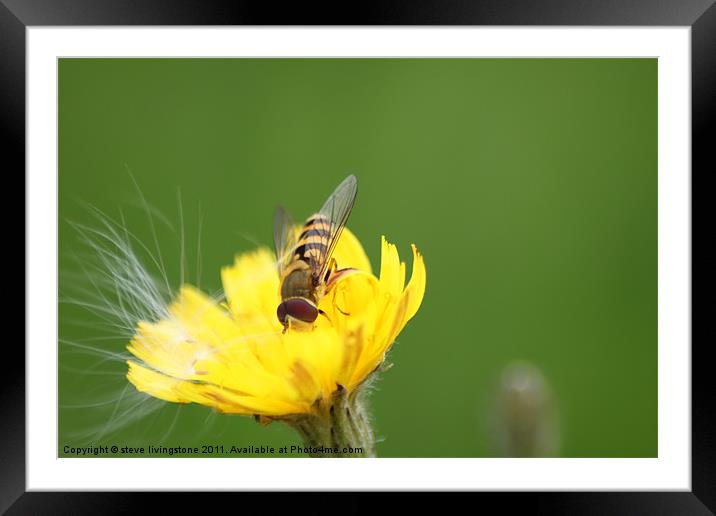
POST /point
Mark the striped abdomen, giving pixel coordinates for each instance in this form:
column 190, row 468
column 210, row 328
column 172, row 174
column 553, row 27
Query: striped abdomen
column 313, row 242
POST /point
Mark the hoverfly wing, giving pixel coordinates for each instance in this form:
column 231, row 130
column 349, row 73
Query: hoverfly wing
column 284, row 237
column 336, row 210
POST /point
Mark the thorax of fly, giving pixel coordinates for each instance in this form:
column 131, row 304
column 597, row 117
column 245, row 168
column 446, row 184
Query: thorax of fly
column 298, row 282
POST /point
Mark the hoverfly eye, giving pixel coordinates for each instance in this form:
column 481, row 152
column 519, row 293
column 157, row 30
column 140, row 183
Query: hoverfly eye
column 301, row 309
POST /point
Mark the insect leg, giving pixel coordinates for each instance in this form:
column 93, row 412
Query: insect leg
column 339, row 309
column 332, row 267
column 324, row 314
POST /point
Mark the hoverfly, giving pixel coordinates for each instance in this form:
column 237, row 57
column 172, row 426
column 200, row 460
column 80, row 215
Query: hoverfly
column 306, row 267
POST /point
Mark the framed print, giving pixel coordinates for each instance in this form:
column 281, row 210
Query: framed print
column 455, row 243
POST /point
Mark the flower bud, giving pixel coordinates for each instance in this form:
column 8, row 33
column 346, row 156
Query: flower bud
column 525, row 422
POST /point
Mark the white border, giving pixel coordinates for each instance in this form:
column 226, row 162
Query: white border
column 670, row 471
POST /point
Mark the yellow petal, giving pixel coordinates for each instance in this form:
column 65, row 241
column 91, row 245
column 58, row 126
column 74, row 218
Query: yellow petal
column 196, row 328
column 415, row 290
column 349, row 299
column 202, row 319
column 251, row 285
column 166, row 347
column 230, row 402
column 391, row 277
column 154, row 383
column 350, row 253
column 394, row 307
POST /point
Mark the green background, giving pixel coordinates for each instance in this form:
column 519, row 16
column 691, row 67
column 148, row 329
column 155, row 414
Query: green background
column 530, row 185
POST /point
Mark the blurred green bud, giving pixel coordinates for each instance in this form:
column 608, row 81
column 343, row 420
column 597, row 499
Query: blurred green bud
column 525, row 421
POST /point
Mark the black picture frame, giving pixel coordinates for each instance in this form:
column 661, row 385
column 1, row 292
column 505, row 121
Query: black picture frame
column 17, row 15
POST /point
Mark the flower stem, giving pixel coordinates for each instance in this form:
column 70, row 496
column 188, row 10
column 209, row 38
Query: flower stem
column 341, row 429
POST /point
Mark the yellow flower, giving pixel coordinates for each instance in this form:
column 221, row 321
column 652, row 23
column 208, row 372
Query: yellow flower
column 234, row 358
